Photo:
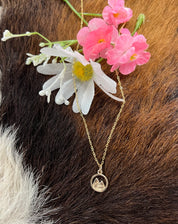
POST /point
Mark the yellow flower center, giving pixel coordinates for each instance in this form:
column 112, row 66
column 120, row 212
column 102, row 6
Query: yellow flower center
column 83, row 73
column 133, row 57
column 101, row 41
column 115, row 15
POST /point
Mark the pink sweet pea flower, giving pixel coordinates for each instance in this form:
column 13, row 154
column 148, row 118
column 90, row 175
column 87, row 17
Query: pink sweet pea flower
column 116, row 13
column 128, row 52
column 96, row 39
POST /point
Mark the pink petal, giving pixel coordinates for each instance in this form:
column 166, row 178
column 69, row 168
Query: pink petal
column 113, row 55
column 143, row 58
column 116, row 16
column 100, row 34
column 124, row 42
column 115, row 4
column 122, row 16
column 96, row 23
column 81, row 36
column 93, row 46
column 136, row 34
column 129, row 13
column 140, row 43
column 115, row 35
column 125, row 31
column 127, row 68
column 103, row 53
column 108, row 15
column 114, row 67
column 125, row 58
column 94, row 51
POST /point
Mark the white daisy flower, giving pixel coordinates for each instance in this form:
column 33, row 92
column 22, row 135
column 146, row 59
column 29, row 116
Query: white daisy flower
column 85, row 74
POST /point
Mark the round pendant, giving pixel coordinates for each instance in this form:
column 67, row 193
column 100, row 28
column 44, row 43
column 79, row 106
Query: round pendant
column 99, row 182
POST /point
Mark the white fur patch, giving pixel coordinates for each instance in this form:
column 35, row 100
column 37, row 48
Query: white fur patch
column 20, row 199
column 0, row 70
column 0, row 87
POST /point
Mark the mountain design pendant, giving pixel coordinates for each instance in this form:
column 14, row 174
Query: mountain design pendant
column 99, row 182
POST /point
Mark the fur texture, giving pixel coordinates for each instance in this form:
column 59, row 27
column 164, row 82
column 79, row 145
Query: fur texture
column 141, row 163
column 20, row 202
column 0, row 87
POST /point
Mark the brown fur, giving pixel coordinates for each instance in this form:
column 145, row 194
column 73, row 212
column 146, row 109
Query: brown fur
column 141, row 163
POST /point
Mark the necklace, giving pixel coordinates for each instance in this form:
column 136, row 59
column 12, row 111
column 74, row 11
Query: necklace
column 99, row 182
column 86, row 70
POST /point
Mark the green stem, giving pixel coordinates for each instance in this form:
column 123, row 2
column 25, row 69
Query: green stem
column 27, row 34
column 75, row 11
column 39, row 34
column 62, row 43
column 92, row 14
column 21, row 35
column 100, row 60
column 70, row 42
column 80, row 50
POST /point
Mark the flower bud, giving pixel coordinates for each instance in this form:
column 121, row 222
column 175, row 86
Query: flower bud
column 140, row 21
column 42, row 44
column 7, row 35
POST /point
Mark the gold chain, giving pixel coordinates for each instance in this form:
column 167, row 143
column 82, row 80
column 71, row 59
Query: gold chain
column 81, row 23
column 112, row 129
column 100, row 165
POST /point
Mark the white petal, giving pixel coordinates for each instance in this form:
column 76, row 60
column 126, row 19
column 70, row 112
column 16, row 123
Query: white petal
column 30, row 55
column 59, row 47
column 66, row 91
column 76, row 107
column 69, row 59
column 46, row 93
column 102, row 80
column 57, row 50
column 53, row 83
column 85, row 95
column 68, row 72
column 50, row 69
column 80, row 58
column 112, row 96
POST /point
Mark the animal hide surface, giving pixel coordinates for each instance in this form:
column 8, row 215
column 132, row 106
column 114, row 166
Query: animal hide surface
column 21, row 201
column 50, row 141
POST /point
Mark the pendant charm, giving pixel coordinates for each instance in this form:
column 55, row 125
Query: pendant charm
column 99, row 182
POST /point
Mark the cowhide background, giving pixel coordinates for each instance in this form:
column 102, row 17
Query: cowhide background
column 45, row 159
